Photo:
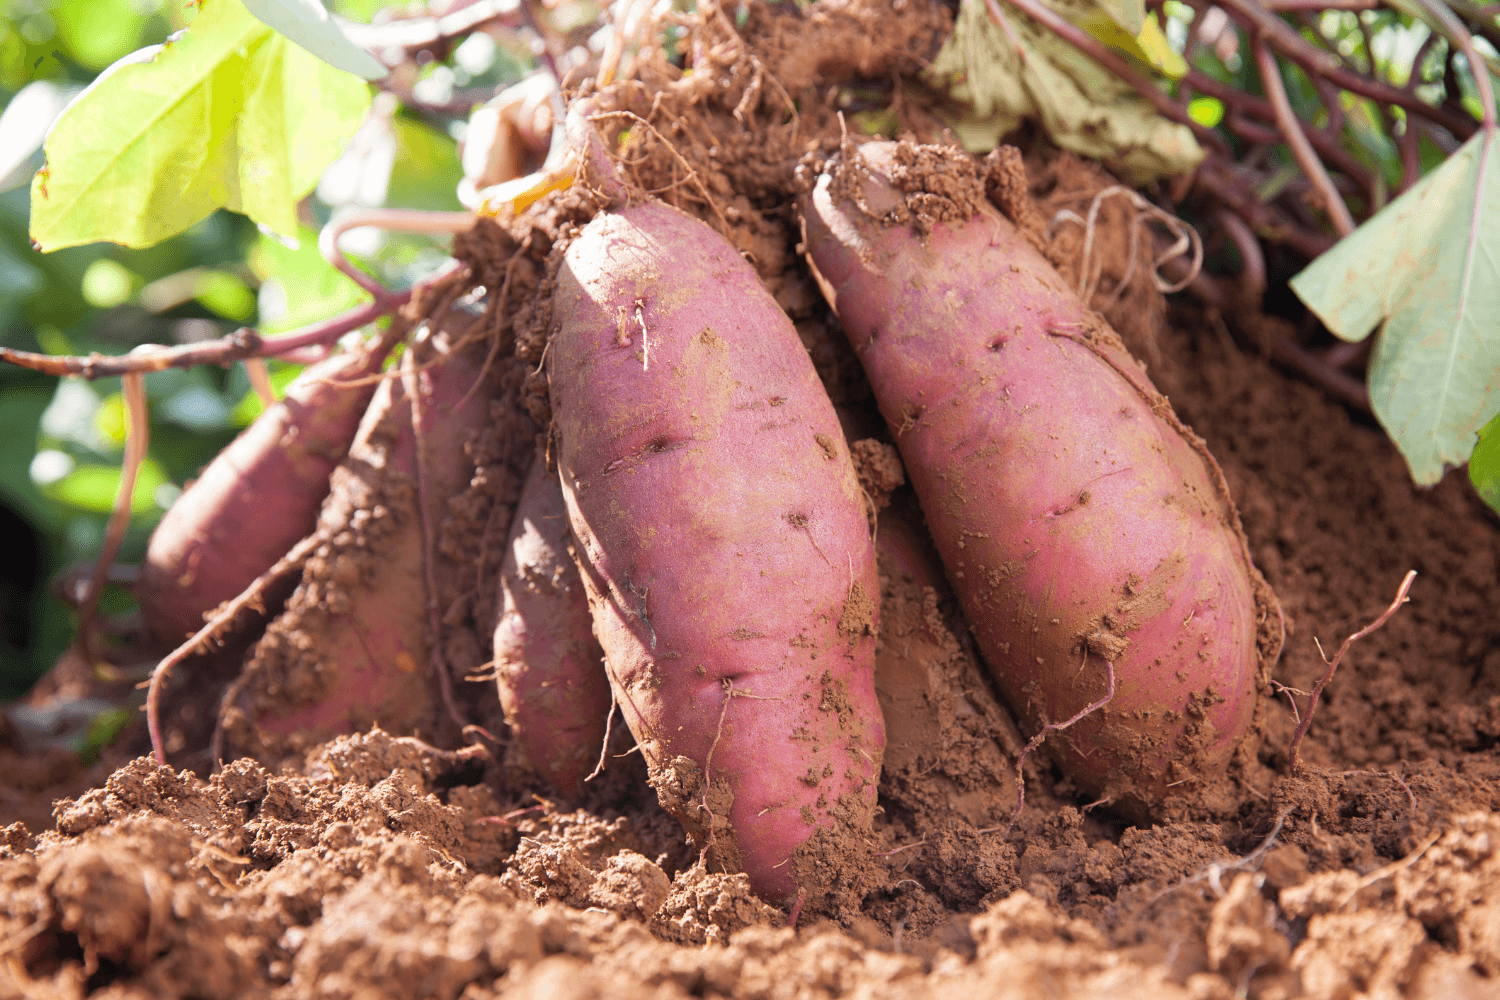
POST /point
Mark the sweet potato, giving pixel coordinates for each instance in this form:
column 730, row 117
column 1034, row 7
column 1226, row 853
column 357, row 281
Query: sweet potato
column 548, row 666
column 352, row 646
column 254, row 501
column 1081, row 523
column 724, row 546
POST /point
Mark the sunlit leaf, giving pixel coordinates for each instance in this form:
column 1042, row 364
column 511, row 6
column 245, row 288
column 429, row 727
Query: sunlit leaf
column 1206, row 111
column 225, row 294
column 109, row 420
column 220, row 116
column 1148, row 46
column 1484, row 464
column 297, row 285
column 1082, row 106
column 1128, row 14
column 92, row 487
column 107, row 284
column 307, row 23
column 1428, row 266
column 427, row 170
column 98, row 32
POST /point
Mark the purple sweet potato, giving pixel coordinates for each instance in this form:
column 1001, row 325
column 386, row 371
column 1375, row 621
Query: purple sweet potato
column 548, row 665
column 1081, row 523
column 351, row 648
column 724, row 545
column 254, row 501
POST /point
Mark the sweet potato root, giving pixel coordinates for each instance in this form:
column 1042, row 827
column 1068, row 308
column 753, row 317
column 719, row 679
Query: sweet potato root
column 548, row 666
column 352, row 647
column 254, row 501
column 725, row 547
column 1081, row 523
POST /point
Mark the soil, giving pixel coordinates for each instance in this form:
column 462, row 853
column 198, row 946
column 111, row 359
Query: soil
column 376, row 865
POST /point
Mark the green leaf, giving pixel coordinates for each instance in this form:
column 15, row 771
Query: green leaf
column 220, row 117
column 1206, row 111
column 1082, row 106
column 1428, row 266
column 427, row 170
column 1484, row 464
column 102, row 731
column 1128, row 14
column 298, row 286
column 307, row 23
column 98, row 32
column 225, row 294
column 93, row 487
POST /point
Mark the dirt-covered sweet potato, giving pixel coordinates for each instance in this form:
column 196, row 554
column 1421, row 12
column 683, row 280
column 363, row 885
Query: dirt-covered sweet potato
column 724, row 545
column 548, row 665
column 1081, row 523
column 255, row 500
column 351, row 648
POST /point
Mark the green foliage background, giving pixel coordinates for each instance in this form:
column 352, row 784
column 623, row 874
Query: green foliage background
column 61, row 442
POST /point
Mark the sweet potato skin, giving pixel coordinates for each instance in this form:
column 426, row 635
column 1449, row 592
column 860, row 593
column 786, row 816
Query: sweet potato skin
column 352, row 647
column 548, row 665
column 255, row 500
column 724, row 546
column 1080, row 523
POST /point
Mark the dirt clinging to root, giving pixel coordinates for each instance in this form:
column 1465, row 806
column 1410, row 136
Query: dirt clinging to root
column 377, row 866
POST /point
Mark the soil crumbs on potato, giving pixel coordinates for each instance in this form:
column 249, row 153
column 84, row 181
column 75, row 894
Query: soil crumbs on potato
column 377, row 866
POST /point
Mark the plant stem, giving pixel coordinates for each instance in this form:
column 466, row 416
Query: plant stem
column 1333, row 665
column 1296, row 140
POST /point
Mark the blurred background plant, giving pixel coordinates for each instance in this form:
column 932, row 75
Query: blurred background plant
column 62, row 440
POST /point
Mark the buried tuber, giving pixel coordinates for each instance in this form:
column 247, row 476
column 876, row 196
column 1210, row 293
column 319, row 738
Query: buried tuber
column 257, row 498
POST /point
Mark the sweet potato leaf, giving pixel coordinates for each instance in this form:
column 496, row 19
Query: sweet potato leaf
column 1128, row 14
column 218, row 117
column 298, row 286
column 308, row 23
column 1484, row 464
column 1083, row 106
column 1428, row 267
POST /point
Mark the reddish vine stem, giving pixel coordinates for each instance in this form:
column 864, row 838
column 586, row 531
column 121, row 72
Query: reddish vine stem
column 1293, row 751
column 1284, row 39
column 1456, row 33
column 1328, row 146
column 243, row 343
column 1296, row 140
column 412, row 35
column 137, row 441
column 1050, row 727
column 399, row 220
column 211, row 630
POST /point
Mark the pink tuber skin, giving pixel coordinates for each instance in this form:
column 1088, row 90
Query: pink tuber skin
column 1079, row 521
column 371, row 650
column 254, row 501
column 548, row 666
column 724, row 547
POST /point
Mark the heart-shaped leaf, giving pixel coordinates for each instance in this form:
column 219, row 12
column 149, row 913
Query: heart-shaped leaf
column 228, row 114
column 1428, row 267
